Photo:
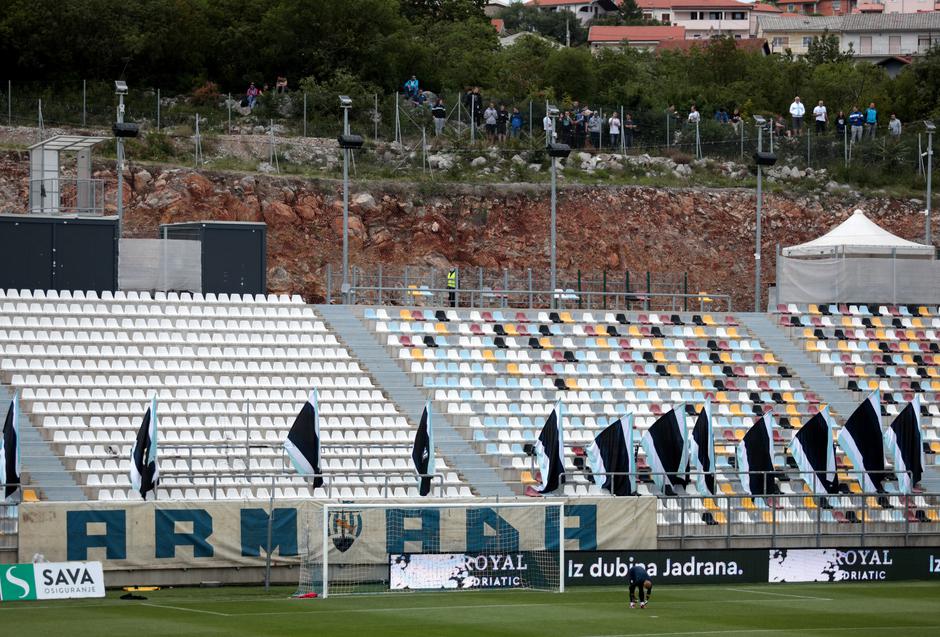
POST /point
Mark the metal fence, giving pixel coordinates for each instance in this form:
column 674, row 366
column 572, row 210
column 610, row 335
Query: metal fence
column 391, row 117
column 9, row 519
column 530, row 289
column 67, row 196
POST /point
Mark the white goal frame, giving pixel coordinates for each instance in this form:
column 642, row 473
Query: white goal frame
column 543, row 504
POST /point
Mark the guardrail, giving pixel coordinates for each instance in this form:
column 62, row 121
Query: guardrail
column 9, row 520
column 66, row 196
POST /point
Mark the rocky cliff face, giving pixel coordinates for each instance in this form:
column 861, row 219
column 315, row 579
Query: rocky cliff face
column 708, row 233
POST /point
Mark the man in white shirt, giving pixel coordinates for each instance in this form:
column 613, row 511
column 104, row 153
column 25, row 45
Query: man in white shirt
column 694, row 116
column 614, row 124
column 797, row 111
column 821, row 117
column 548, row 125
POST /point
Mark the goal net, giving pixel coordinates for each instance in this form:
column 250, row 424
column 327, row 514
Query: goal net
column 369, row 548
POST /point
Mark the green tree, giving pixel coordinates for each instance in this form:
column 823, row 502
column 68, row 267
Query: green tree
column 627, row 14
column 557, row 25
column 825, row 49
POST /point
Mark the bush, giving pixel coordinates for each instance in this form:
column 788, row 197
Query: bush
column 206, row 95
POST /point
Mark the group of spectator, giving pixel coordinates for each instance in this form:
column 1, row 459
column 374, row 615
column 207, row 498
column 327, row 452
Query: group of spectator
column 253, row 94
column 860, row 123
column 581, row 127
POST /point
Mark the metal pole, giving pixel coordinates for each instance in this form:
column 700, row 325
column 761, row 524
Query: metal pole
column 929, row 183
column 553, row 263
column 741, row 124
column 305, row 113
column 345, row 288
column 623, row 133
column 397, row 120
column 229, row 103
column 760, row 180
column 473, row 122
column 530, row 123
column 667, row 129
column 845, row 145
column 267, row 559
column 158, row 110
column 120, row 166
column 84, row 101
column 375, row 116
column 9, row 103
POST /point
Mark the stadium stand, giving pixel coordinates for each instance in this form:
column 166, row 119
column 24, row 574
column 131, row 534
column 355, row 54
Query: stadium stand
column 500, row 372
column 230, row 373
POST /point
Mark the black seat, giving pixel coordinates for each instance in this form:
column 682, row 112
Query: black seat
column 697, row 320
column 500, row 342
column 612, row 331
column 655, row 331
column 622, row 319
column 499, row 330
column 712, row 345
column 676, row 319
column 441, row 316
column 661, row 370
column 648, row 357
column 560, row 384
column 783, row 371
column 569, row 357
column 544, row 330
column 429, row 341
column 554, row 318
column 534, row 343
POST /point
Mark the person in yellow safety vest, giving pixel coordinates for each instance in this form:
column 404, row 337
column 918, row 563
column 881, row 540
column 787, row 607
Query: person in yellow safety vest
column 452, row 286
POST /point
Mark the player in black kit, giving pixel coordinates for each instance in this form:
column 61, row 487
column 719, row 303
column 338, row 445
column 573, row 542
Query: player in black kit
column 639, row 579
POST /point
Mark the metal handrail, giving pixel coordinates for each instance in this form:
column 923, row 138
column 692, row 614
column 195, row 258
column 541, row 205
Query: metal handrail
column 536, row 298
column 67, row 195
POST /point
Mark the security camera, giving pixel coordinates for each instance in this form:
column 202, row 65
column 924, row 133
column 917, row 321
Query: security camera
column 120, row 87
column 345, row 101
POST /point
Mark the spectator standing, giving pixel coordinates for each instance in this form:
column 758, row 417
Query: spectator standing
column 595, row 125
column 281, row 84
column 721, row 116
column 694, row 116
column 780, row 126
column 736, row 120
column 871, row 120
column 819, row 113
column 580, row 124
column 515, row 123
column 840, row 123
column 548, row 125
column 894, row 126
column 411, row 88
column 439, row 113
column 252, row 95
column 629, row 128
column 502, row 123
column 614, row 124
column 856, row 123
column 566, row 124
column 797, row 111
column 490, row 117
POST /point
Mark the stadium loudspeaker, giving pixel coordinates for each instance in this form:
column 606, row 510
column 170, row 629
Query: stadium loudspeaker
column 765, row 159
column 123, row 129
column 351, row 142
column 558, row 150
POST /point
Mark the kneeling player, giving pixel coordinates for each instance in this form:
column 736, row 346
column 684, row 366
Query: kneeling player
column 639, row 579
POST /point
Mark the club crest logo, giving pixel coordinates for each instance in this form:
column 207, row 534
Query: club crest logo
column 344, row 528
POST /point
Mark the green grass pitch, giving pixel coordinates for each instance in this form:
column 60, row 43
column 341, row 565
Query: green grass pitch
column 905, row 609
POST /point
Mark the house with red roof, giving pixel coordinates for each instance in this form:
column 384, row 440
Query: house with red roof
column 702, row 19
column 645, row 38
column 584, row 10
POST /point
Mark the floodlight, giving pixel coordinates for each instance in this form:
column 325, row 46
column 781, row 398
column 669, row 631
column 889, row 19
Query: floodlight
column 345, row 101
column 765, row 159
column 120, row 87
column 558, row 150
column 930, row 126
column 350, row 142
column 122, row 129
column 759, row 120
column 553, row 111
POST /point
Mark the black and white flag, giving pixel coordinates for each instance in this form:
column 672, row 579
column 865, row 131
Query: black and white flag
column 303, row 441
column 10, row 449
column 145, row 475
column 702, row 451
column 612, row 453
column 862, row 441
column 550, row 452
column 423, row 452
column 814, row 451
column 904, row 441
column 755, row 458
column 666, row 446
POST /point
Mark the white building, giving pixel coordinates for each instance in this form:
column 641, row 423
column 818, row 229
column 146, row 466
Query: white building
column 873, row 36
column 585, row 10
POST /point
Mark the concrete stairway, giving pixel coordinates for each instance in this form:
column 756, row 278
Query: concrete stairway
column 41, row 469
column 841, row 401
column 385, row 371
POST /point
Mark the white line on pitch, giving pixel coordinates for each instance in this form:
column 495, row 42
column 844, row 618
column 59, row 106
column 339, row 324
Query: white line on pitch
column 760, row 592
column 189, row 610
column 766, row 631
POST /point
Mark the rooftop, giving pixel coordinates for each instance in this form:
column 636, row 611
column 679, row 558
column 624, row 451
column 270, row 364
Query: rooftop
column 635, row 34
column 802, row 23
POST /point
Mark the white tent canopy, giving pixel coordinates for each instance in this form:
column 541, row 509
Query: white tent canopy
column 859, row 236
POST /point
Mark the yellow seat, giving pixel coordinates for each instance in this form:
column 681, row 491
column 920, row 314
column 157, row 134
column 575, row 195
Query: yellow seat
column 417, row 353
column 768, row 517
column 876, row 322
column 811, row 346
column 727, row 488
column 511, row 329
column 739, row 434
column 512, row 368
column 792, row 410
column 736, row 410
column 710, row 504
column 566, row 317
column 808, row 333
column 932, row 515
column 708, row 319
column 527, row 478
column 673, row 370
column 748, row 504
column 440, row 328
column 572, row 383
column 855, row 488
column 545, row 342
column 488, row 355
column 813, row 309
column 697, row 384
column 602, row 343
column 720, row 517
column 721, row 397
column 732, row 332
column 699, row 332
column 923, row 311
column 657, row 343
column 659, row 357
column 634, row 331
column 935, row 446
column 30, row 495
column 405, row 315
column 770, row 358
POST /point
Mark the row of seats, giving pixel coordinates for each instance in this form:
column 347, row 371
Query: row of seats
column 164, row 298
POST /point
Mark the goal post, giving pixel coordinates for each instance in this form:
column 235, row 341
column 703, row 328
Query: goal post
column 349, row 548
